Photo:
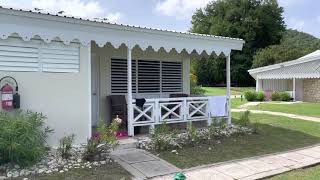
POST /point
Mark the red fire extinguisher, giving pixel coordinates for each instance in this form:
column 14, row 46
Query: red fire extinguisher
column 7, row 97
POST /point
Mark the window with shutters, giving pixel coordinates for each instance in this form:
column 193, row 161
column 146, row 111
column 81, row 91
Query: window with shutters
column 148, row 76
column 35, row 55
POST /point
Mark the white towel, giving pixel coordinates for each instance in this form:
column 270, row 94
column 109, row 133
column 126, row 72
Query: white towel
column 218, row 106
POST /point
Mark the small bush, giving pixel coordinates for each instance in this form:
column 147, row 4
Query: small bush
column 107, row 134
column 23, row 137
column 162, row 137
column 244, row 119
column 260, row 96
column 285, row 96
column 91, row 150
column 65, row 146
column 280, row 96
column 250, row 95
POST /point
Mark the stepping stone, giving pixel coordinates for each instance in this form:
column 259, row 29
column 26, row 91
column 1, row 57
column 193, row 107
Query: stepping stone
column 235, row 170
column 135, row 157
column 278, row 161
column 257, row 165
column 207, row 174
column 155, row 168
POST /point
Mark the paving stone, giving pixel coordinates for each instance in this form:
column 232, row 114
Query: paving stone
column 278, row 161
column 257, row 165
column 155, row 168
column 310, row 153
column 297, row 157
column 266, row 174
column 135, row 157
column 207, row 174
column 235, row 170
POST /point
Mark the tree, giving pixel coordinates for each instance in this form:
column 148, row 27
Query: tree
column 258, row 22
column 293, row 45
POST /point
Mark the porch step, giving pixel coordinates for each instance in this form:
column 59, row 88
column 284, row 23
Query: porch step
column 127, row 143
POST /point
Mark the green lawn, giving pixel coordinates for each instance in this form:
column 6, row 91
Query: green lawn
column 312, row 173
column 276, row 134
column 217, row 91
column 307, row 109
column 236, row 102
column 111, row 171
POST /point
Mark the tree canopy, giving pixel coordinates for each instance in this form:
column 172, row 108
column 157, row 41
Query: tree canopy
column 294, row 44
column 258, row 22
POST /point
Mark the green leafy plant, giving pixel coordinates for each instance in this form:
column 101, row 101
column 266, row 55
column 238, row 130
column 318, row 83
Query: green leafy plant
column 91, row 149
column 275, row 96
column 250, row 95
column 260, row 96
column 162, row 136
column 23, row 136
column 244, row 119
column 108, row 133
column 193, row 134
column 194, row 88
column 285, row 96
column 65, row 146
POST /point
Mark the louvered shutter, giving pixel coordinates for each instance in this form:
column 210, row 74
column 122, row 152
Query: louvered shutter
column 171, row 73
column 57, row 57
column 18, row 56
column 148, row 76
column 119, row 76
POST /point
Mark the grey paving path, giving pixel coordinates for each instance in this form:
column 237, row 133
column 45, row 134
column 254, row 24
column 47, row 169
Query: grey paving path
column 307, row 118
column 142, row 164
column 254, row 168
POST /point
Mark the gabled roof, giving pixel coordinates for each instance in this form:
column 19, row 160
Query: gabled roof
column 28, row 24
column 307, row 66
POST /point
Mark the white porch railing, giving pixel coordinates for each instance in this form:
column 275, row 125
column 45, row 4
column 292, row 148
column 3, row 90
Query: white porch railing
column 170, row 110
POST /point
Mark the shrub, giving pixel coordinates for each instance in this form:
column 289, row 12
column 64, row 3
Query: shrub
column 250, row 95
column 107, row 134
column 163, row 137
column 23, row 137
column 260, row 96
column 275, row 96
column 65, row 146
column 244, row 119
column 280, row 96
column 285, row 96
column 91, row 149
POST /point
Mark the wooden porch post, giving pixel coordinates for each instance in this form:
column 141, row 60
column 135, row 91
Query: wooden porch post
column 257, row 84
column 294, row 89
column 129, row 91
column 228, row 89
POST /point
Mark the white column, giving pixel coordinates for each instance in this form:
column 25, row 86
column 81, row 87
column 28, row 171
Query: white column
column 129, row 95
column 89, row 61
column 257, row 84
column 228, row 89
column 294, row 89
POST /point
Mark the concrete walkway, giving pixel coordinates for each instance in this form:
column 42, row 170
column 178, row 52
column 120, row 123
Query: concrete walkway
column 141, row 164
column 255, row 167
column 307, row 118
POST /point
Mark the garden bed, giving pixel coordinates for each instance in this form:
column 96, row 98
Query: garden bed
column 275, row 134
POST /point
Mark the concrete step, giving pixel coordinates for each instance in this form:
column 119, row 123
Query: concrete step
column 127, row 143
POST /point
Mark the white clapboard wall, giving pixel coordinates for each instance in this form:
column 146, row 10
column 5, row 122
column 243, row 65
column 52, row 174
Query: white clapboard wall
column 35, row 55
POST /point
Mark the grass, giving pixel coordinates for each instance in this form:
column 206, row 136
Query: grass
column 218, row 91
column 111, row 171
column 276, row 134
column 237, row 102
column 312, row 173
column 306, row 109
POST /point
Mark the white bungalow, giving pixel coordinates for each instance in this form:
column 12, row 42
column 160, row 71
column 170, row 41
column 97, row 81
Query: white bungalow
column 300, row 77
column 66, row 67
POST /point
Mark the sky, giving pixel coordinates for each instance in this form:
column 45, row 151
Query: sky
column 303, row 15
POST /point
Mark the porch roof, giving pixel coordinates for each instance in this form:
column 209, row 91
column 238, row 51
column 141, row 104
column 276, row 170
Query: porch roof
column 30, row 24
column 305, row 67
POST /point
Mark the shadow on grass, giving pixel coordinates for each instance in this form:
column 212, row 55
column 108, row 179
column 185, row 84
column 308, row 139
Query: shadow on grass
column 270, row 139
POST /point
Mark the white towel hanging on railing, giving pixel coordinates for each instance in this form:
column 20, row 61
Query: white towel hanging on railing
column 218, row 106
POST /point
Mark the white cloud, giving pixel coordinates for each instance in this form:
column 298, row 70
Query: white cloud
column 181, row 9
column 78, row 8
